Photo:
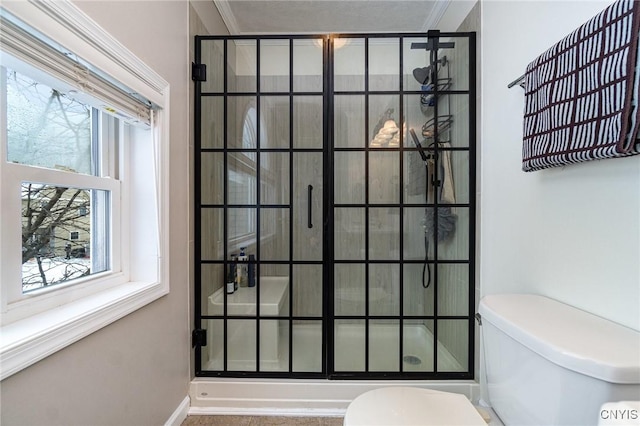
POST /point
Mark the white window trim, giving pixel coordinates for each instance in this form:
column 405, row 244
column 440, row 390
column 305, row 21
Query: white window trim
column 26, row 341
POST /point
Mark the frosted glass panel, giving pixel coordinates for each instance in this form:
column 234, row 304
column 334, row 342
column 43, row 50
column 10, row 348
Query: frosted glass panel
column 307, row 65
column 212, row 55
column 274, row 65
column 384, row 337
column 349, row 351
column 349, row 64
column 384, row 64
column 242, row 66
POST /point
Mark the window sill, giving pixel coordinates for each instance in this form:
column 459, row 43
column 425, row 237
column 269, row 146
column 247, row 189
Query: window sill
column 27, row 341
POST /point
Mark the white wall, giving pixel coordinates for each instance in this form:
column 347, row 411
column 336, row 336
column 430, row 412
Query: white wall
column 570, row 233
column 136, row 370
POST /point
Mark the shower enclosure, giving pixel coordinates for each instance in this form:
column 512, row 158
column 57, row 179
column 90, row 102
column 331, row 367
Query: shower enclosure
column 340, row 170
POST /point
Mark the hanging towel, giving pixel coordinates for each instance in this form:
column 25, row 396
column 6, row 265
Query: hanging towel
column 581, row 94
column 447, row 195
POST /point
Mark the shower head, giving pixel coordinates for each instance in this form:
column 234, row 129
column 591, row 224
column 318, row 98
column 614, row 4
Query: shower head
column 418, row 145
column 422, row 74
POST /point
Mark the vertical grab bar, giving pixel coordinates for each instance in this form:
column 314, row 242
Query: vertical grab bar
column 309, row 211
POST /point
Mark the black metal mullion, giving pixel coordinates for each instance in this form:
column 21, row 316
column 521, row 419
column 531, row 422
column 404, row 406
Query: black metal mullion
column 472, row 199
column 258, row 201
column 328, row 210
column 225, row 231
column 401, row 200
column 366, row 200
column 197, row 273
column 292, row 166
column 433, row 56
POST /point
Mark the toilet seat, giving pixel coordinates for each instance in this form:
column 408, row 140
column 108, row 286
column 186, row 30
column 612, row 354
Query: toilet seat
column 396, row 406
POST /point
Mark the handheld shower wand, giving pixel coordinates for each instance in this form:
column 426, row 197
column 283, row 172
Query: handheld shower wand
column 418, row 145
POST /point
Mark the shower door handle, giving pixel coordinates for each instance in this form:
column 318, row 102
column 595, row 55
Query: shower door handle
column 309, row 211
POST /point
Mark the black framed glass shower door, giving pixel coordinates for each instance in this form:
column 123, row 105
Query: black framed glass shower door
column 304, row 158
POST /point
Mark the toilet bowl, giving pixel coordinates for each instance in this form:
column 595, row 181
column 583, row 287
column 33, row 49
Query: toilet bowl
column 395, row 406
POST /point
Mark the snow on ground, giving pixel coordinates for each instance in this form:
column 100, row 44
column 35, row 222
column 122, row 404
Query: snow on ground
column 56, row 270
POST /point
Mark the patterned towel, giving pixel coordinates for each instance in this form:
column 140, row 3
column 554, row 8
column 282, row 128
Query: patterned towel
column 581, row 95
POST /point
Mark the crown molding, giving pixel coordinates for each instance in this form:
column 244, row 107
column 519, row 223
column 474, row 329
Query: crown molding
column 224, row 7
column 439, row 8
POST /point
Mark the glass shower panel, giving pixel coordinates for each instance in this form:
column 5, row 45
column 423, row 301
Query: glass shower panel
column 307, row 346
column 211, row 287
column 349, row 289
column 274, row 119
column 242, row 122
column 274, row 290
column 384, row 233
column 413, row 241
column 274, row 234
column 349, row 123
column 349, row 172
column 274, row 65
column 241, row 178
column 415, row 178
column 350, row 345
column 384, row 337
column 241, row 345
column 451, row 225
column 453, row 289
column 384, row 64
column 242, row 69
column 212, row 118
column 384, row 289
column 213, row 354
column 348, row 64
column 211, row 174
column 262, row 148
column 241, row 229
column 384, row 177
column 274, row 178
column 384, row 122
column 417, row 290
column 274, row 345
column 308, row 67
column 212, row 52
column 349, row 234
column 417, row 345
column 308, row 126
column 307, row 205
column 416, row 109
column 453, row 345
column 211, row 238
column 307, row 290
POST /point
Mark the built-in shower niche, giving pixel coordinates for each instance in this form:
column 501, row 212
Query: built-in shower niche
column 241, row 333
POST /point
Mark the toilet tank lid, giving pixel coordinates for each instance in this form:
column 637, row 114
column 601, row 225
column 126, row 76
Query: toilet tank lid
column 567, row 336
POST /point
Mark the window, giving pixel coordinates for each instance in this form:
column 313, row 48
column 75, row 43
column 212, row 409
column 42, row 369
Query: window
column 82, row 232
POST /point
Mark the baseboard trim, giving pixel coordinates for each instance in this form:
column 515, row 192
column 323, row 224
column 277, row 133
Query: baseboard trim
column 180, row 413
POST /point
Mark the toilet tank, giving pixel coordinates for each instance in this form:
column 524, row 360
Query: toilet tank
column 548, row 363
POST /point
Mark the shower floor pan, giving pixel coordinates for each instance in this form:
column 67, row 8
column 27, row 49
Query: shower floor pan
column 349, row 354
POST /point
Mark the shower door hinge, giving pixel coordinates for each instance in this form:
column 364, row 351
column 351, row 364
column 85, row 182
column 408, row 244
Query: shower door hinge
column 199, row 337
column 198, row 72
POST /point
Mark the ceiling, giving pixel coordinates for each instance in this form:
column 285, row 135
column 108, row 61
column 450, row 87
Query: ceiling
column 345, row 16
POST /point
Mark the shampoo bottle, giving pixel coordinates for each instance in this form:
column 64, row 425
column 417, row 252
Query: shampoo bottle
column 243, row 267
column 231, row 277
